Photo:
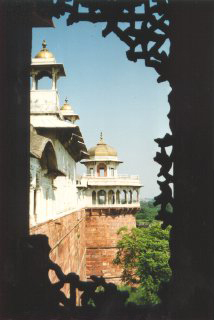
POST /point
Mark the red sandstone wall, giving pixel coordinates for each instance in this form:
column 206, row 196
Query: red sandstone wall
column 85, row 243
column 67, row 240
column 101, row 240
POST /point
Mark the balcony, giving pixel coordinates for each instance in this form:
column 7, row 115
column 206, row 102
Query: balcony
column 119, row 180
column 134, row 205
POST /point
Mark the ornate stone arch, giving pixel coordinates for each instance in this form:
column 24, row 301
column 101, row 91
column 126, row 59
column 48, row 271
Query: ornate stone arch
column 118, row 197
column 42, row 148
column 111, row 197
column 94, row 197
column 124, row 196
column 101, row 197
column 135, row 196
column 48, row 160
column 102, row 166
column 130, row 196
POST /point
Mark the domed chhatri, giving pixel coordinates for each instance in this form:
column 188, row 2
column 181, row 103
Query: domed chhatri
column 111, row 202
column 68, row 112
column 102, row 160
column 44, row 65
column 66, row 106
column 104, row 185
column 102, row 149
column 44, row 53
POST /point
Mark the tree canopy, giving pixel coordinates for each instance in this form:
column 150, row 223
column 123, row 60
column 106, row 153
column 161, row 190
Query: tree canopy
column 143, row 254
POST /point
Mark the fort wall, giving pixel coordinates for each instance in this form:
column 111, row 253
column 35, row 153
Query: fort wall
column 101, row 240
column 67, row 241
column 85, row 242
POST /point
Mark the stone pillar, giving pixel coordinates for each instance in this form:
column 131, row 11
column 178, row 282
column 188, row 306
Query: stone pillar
column 137, row 196
column 34, row 85
column 32, row 206
column 125, row 196
column 118, row 197
column 53, row 79
column 38, row 207
column 131, row 196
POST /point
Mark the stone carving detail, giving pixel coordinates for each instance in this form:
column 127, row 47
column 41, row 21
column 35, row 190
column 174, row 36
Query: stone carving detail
column 166, row 161
column 153, row 18
column 44, row 296
column 150, row 36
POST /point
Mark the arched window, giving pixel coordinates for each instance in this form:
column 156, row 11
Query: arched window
column 135, row 196
column 94, row 196
column 101, row 170
column 124, row 197
column 101, row 197
column 48, row 159
column 130, row 197
column 111, row 197
column 44, row 84
column 118, row 196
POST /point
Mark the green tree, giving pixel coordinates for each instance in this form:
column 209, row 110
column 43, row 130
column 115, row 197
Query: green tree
column 147, row 211
column 143, row 255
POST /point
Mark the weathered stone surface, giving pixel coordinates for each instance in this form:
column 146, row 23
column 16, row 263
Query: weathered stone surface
column 85, row 242
column 101, row 241
column 67, row 240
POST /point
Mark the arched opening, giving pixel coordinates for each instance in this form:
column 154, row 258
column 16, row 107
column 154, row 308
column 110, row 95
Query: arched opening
column 101, row 197
column 43, row 81
column 111, row 197
column 118, row 197
column 130, row 197
column 124, row 197
column 135, row 196
column 102, row 170
column 107, row 197
column 112, row 172
column 48, row 159
column 185, row 199
column 94, row 197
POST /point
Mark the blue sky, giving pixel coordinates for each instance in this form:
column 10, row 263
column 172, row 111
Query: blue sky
column 111, row 94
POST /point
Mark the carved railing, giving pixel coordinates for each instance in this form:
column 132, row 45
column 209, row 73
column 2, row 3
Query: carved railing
column 39, row 294
column 144, row 42
column 88, row 289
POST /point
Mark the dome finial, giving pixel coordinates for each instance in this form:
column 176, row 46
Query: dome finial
column 44, row 45
column 44, row 53
column 102, row 149
column 101, row 138
column 66, row 105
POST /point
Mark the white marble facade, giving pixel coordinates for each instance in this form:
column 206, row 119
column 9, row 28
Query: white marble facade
column 52, row 196
column 57, row 145
column 105, row 187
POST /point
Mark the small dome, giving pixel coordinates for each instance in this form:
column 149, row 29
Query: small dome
column 44, row 53
column 66, row 106
column 102, row 149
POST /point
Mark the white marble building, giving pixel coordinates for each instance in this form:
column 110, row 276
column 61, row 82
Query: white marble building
column 56, row 145
column 104, row 186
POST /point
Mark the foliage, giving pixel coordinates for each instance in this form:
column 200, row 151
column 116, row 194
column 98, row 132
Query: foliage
column 143, row 255
column 135, row 294
column 148, row 211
